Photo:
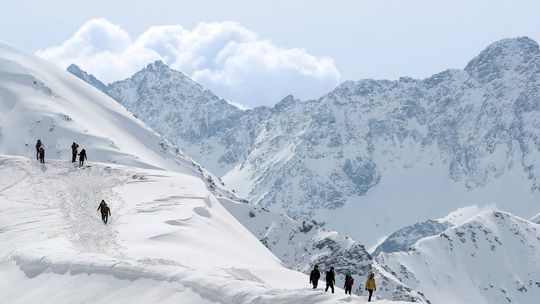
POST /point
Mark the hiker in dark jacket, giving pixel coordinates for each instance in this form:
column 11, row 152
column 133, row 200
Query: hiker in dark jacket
column 82, row 157
column 315, row 276
column 330, row 279
column 38, row 144
column 41, row 154
column 349, row 281
column 105, row 211
column 370, row 285
column 74, row 147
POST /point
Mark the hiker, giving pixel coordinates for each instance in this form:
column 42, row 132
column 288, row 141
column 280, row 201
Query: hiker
column 41, row 154
column 370, row 285
column 82, row 157
column 348, row 283
column 105, row 211
column 74, row 147
column 38, row 144
column 314, row 276
column 330, row 279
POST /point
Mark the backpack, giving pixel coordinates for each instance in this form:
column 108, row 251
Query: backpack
column 349, row 281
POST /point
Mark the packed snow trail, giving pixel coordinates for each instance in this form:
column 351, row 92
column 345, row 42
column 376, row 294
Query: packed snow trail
column 78, row 193
column 168, row 240
column 75, row 192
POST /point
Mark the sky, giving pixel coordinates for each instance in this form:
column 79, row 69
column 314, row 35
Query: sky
column 257, row 52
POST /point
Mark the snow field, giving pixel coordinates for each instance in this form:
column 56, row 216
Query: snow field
column 168, row 240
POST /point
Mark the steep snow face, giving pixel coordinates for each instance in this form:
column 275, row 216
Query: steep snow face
column 341, row 158
column 168, row 240
column 491, row 258
column 39, row 101
column 303, row 244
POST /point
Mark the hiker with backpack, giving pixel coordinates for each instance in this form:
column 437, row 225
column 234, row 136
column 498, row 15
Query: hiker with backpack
column 370, row 285
column 330, row 279
column 74, row 147
column 82, row 157
column 41, row 152
column 315, row 276
column 38, row 145
column 105, row 211
column 349, row 281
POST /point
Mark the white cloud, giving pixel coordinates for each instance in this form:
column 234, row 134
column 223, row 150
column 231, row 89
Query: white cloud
column 225, row 57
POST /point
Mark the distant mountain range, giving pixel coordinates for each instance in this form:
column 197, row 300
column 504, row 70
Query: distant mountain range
column 371, row 156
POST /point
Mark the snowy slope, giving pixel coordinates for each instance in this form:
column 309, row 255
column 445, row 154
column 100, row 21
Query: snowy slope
column 491, row 258
column 303, row 244
column 340, row 159
column 169, row 240
column 40, row 101
column 404, row 238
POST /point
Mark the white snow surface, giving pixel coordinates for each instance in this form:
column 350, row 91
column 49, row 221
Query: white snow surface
column 168, row 240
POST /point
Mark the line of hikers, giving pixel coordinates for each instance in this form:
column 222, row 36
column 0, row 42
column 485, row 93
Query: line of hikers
column 349, row 281
column 40, row 153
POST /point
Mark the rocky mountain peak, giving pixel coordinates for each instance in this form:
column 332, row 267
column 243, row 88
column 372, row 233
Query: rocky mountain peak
column 286, row 102
column 157, row 65
column 504, row 55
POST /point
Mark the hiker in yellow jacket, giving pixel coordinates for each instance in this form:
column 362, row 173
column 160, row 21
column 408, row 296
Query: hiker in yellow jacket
column 370, row 285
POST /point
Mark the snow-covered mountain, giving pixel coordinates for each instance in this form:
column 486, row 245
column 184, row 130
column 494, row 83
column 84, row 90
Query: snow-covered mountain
column 303, row 244
column 491, row 258
column 184, row 110
column 404, row 238
column 340, row 159
column 169, row 239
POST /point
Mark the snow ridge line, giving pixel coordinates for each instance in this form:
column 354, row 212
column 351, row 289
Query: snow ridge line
column 235, row 286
